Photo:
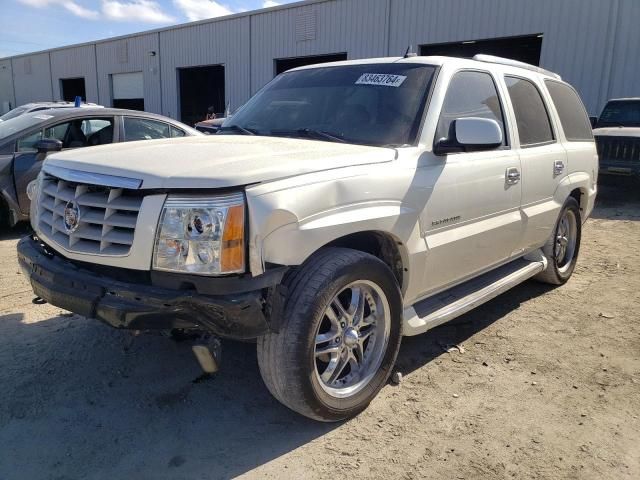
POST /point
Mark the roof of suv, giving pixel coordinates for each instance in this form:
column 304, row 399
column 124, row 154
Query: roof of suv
column 478, row 60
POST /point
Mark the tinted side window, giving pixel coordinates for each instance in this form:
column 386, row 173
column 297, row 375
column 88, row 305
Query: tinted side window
column 573, row 116
column 532, row 119
column 57, row 132
column 28, row 142
column 99, row 131
column 176, row 132
column 470, row 94
column 144, row 129
column 82, row 132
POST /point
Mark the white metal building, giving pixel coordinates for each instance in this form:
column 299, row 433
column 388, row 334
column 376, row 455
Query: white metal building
column 180, row 71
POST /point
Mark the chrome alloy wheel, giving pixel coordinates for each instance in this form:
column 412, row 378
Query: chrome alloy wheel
column 352, row 338
column 566, row 238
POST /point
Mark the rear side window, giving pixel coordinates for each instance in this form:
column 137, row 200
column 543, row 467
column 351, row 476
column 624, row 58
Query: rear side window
column 470, row 94
column 573, row 116
column 176, row 132
column 136, row 128
column 532, row 119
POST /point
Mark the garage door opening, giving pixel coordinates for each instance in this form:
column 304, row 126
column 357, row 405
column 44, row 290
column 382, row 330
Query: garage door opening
column 128, row 90
column 525, row 48
column 72, row 88
column 284, row 64
column 201, row 88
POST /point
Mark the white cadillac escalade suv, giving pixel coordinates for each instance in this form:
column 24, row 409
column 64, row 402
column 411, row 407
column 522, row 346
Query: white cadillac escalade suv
column 344, row 206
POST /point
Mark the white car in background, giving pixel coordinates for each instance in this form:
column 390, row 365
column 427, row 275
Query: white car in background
column 38, row 106
column 348, row 204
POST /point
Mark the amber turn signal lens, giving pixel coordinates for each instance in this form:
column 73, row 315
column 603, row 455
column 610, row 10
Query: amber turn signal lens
column 232, row 255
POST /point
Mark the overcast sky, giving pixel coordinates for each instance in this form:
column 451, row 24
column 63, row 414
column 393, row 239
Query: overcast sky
column 31, row 25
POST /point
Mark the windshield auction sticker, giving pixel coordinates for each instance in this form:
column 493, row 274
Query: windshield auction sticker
column 383, row 79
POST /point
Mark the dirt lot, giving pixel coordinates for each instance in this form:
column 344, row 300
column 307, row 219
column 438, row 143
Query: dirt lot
column 547, row 386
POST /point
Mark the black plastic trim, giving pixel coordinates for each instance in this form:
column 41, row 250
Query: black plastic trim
column 142, row 307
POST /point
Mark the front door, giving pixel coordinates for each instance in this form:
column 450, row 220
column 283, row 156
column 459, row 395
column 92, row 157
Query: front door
column 77, row 133
column 472, row 220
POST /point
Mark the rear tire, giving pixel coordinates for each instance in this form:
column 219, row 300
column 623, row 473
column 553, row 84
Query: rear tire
column 562, row 248
column 339, row 335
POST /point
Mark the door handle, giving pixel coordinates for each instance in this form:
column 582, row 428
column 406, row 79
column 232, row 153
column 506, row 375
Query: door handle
column 558, row 167
column 512, row 176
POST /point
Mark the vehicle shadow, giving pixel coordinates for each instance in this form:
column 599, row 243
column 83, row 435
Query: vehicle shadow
column 418, row 351
column 618, row 199
column 81, row 400
column 16, row 232
column 96, row 403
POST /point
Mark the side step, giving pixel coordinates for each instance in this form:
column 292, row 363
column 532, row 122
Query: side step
column 452, row 303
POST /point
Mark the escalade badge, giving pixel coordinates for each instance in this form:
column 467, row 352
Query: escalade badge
column 71, row 217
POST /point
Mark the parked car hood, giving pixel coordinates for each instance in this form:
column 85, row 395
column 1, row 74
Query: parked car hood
column 617, row 132
column 217, row 161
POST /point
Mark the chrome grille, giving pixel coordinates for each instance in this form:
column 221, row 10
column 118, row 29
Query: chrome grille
column 107, row 216
column 614, row 148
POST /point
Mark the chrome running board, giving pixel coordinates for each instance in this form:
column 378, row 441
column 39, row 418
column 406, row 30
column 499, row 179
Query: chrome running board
column 440, row 308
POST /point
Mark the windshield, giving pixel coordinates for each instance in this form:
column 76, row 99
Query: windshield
column 373, row 104
column 22, row 122
column 16, row 112
column 620, row 113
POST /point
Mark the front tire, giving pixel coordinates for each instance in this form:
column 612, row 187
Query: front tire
column 562, row 248
column 339, row 335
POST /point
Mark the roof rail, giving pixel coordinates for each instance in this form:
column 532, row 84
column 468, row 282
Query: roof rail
column 514, row 63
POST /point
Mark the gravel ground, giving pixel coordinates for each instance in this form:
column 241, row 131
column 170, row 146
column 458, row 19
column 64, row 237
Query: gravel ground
column 545, row 384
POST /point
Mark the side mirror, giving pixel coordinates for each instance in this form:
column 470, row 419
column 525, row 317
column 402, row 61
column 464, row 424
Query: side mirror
column 47, row 145
column 593, row 121
column 470, row 135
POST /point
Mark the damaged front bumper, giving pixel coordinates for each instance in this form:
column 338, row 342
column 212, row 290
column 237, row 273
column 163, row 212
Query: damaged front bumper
column 236, row 315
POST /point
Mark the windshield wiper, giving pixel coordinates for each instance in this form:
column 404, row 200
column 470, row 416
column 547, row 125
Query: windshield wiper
column 238, row 128
column 321, row 134
column 309, row 133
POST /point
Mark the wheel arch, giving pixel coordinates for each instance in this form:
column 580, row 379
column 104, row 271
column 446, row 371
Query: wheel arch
column 380, row 244
column 577, row 185
column 580, row 196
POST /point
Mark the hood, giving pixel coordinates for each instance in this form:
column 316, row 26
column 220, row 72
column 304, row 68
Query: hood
column 216, row 161
column 617, row 132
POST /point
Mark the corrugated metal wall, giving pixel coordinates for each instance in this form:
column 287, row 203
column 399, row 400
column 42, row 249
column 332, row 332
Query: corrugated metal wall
column 6, row 86
column 32, row 78
column 357, row 27
column 217, row 43
column 592, row 43
column 625, row 54
column 134, row 54
column 575, row 41
column 75, row 62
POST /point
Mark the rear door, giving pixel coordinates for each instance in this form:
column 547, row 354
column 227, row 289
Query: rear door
column 472, row 217
column 542, row 156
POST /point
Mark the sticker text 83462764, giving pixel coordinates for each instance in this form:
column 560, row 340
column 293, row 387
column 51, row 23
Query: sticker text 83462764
column 383, row 79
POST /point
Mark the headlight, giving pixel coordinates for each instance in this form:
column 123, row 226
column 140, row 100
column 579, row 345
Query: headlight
column 33, row 187
column 33, row 192
column 201, row 236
